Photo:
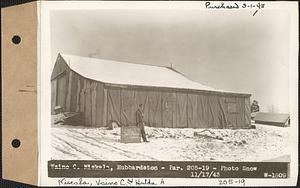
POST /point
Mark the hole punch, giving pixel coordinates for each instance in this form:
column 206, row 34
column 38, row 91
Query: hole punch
column 16, row 39
column 16, row 143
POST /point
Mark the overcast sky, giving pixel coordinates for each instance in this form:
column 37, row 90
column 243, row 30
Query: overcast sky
column 229, row 50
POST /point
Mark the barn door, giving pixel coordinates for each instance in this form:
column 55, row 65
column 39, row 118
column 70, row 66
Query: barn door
column 169, row 109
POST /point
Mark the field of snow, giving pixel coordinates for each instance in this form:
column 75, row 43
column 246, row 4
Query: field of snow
column 265, row 143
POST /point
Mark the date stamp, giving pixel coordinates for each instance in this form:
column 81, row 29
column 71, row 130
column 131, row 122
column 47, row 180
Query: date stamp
column 235, row 6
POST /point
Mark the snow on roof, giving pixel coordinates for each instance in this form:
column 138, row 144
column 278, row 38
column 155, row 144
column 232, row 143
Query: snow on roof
column 123, row 73
column 272, row 117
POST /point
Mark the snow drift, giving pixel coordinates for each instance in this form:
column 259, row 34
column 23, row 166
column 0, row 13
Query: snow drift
column 168, row 144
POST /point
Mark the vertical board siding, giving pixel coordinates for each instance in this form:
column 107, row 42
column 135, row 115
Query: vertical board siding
column 88, row 105
column 231, row 115
column 99, row 104
column 223, row 112
column 202, row 111
column 62, row 91
column 78, row 94
column 73, row 103
column 169, row 109
column 240, row 112
column 82, row 95
column 69, row 92
column 67, row 74
column 94, row 102
column 113, row 105
column 105, row 104
column 181, row 110
column 213, row 112
column 130, row 99
column 247, row 113
column 155, row 111
column 192, row 111
column 128, row 107
column 53, row 94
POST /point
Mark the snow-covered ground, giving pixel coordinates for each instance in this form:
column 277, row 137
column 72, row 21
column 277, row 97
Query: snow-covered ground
column 264, row 143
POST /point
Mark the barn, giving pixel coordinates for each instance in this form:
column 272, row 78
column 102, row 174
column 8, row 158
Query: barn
column 103, row 91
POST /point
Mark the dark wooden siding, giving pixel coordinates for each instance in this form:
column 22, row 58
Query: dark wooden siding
column 181, row 110
column 154, row 109
column 59, row 67
column 59, row 84
column 53, row 94
column 100, row 103
column 176, row 109
column 88, row 98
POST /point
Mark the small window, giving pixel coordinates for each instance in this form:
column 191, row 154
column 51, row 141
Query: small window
column 232, row 107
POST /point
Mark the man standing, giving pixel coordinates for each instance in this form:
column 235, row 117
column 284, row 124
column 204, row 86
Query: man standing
column 139, row 114
column 254, row 106
column 254, row 109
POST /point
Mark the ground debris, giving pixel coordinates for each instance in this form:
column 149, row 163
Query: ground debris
column 208, row 134
column 73, row 118
column 113, row 125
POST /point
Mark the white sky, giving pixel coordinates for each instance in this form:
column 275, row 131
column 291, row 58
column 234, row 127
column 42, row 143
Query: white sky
column 228, row 50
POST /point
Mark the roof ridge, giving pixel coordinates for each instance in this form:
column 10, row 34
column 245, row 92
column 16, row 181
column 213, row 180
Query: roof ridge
column 167, row 67
column 116, row 61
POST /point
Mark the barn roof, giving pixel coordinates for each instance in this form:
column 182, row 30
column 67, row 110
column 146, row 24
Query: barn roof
column 123, row 73
column 271, row 118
